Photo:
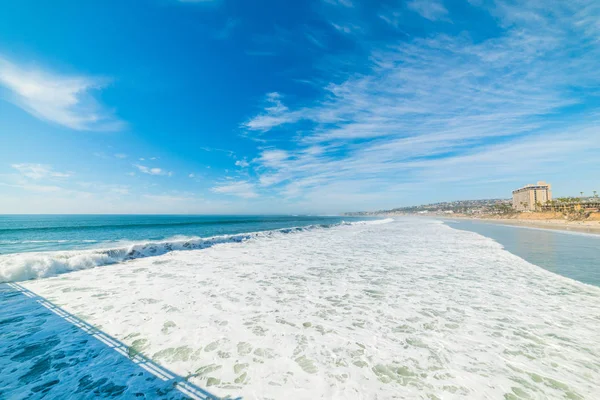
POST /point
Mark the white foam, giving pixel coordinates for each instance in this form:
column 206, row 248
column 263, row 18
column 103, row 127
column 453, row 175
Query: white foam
column 373, row 222
column 36, row 265
column 410, row 309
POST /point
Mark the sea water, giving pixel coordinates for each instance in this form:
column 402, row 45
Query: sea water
column 393, row 309
column 34, row 246
column 28, row 233
column 571, row 254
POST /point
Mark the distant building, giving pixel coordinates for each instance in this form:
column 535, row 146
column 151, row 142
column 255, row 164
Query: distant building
column 529, row 197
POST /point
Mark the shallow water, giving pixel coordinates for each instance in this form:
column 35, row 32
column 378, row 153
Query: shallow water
column 48, row 353
column 407, row 309
column 574, row 255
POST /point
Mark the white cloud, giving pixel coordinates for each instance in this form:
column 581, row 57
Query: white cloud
column 392, row 18
column 345, row 3
column 273, row 158
column 242, row 163
column 152, row 171
column 242, row 189
column 447, row 110
column 39, row 171
column 121, row 155
column 347, row 28
column 191, row 175
column 66, row 100
column 431, row 9
column 276, row 113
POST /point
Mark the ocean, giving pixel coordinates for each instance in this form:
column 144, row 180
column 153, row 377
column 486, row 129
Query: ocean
column 377, row 309
column 37, row 246
column 29, row 233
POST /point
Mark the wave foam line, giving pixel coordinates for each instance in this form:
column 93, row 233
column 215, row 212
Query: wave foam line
column 27, row 266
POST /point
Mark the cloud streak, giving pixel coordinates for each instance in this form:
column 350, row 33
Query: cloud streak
column 241, row 189
column 275, row 114
column 431, row 9
column 61, row 99
column 39, row 171
column 152, row 171
column 445, row 109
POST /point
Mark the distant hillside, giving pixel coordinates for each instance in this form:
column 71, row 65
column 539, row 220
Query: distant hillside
column 460, row 206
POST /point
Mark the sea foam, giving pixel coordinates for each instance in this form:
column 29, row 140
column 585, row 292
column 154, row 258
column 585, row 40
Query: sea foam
column 35, row 265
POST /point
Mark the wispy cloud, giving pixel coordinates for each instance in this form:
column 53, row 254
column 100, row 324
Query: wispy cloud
column 275, row 114
column 242, row 189
column 347, row 28
column 101, row 187
column 39, row 171
column 391, row 17
column 431, row 9
column 213, row 149
column 62, row 99
column 152, row 171
column 345, row 3
column 120, row 155
column 242, row 163
column 445, row 109
column 39, row 178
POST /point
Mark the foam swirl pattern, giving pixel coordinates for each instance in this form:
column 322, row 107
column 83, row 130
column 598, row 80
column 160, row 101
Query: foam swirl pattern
column 409, row 309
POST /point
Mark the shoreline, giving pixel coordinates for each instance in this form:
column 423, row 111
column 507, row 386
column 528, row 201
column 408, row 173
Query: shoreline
column 590, row 227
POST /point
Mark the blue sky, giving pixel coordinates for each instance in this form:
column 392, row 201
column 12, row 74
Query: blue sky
column 321, row 106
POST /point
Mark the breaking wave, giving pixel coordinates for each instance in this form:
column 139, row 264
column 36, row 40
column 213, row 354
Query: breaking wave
column 27, row 266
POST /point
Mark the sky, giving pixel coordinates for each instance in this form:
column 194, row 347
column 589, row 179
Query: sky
column 313, row 106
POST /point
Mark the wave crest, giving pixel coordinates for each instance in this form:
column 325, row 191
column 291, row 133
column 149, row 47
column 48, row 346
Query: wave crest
column 26, row 266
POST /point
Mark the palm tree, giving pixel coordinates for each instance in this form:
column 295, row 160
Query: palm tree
column 595, row 194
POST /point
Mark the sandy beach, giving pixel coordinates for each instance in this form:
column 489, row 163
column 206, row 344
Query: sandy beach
column 552, row 221
column 541, row 221
column 562, row 225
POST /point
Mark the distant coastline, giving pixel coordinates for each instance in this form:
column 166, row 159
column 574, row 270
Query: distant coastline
column 529, row 220
column 500, row 211
column 586, row 226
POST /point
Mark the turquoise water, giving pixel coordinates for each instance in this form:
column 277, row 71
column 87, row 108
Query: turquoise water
column 28, row 233
column 574, row 255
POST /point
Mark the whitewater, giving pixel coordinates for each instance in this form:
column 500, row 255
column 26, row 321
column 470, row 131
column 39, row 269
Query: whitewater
column 34, row 265
column 389, row 310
